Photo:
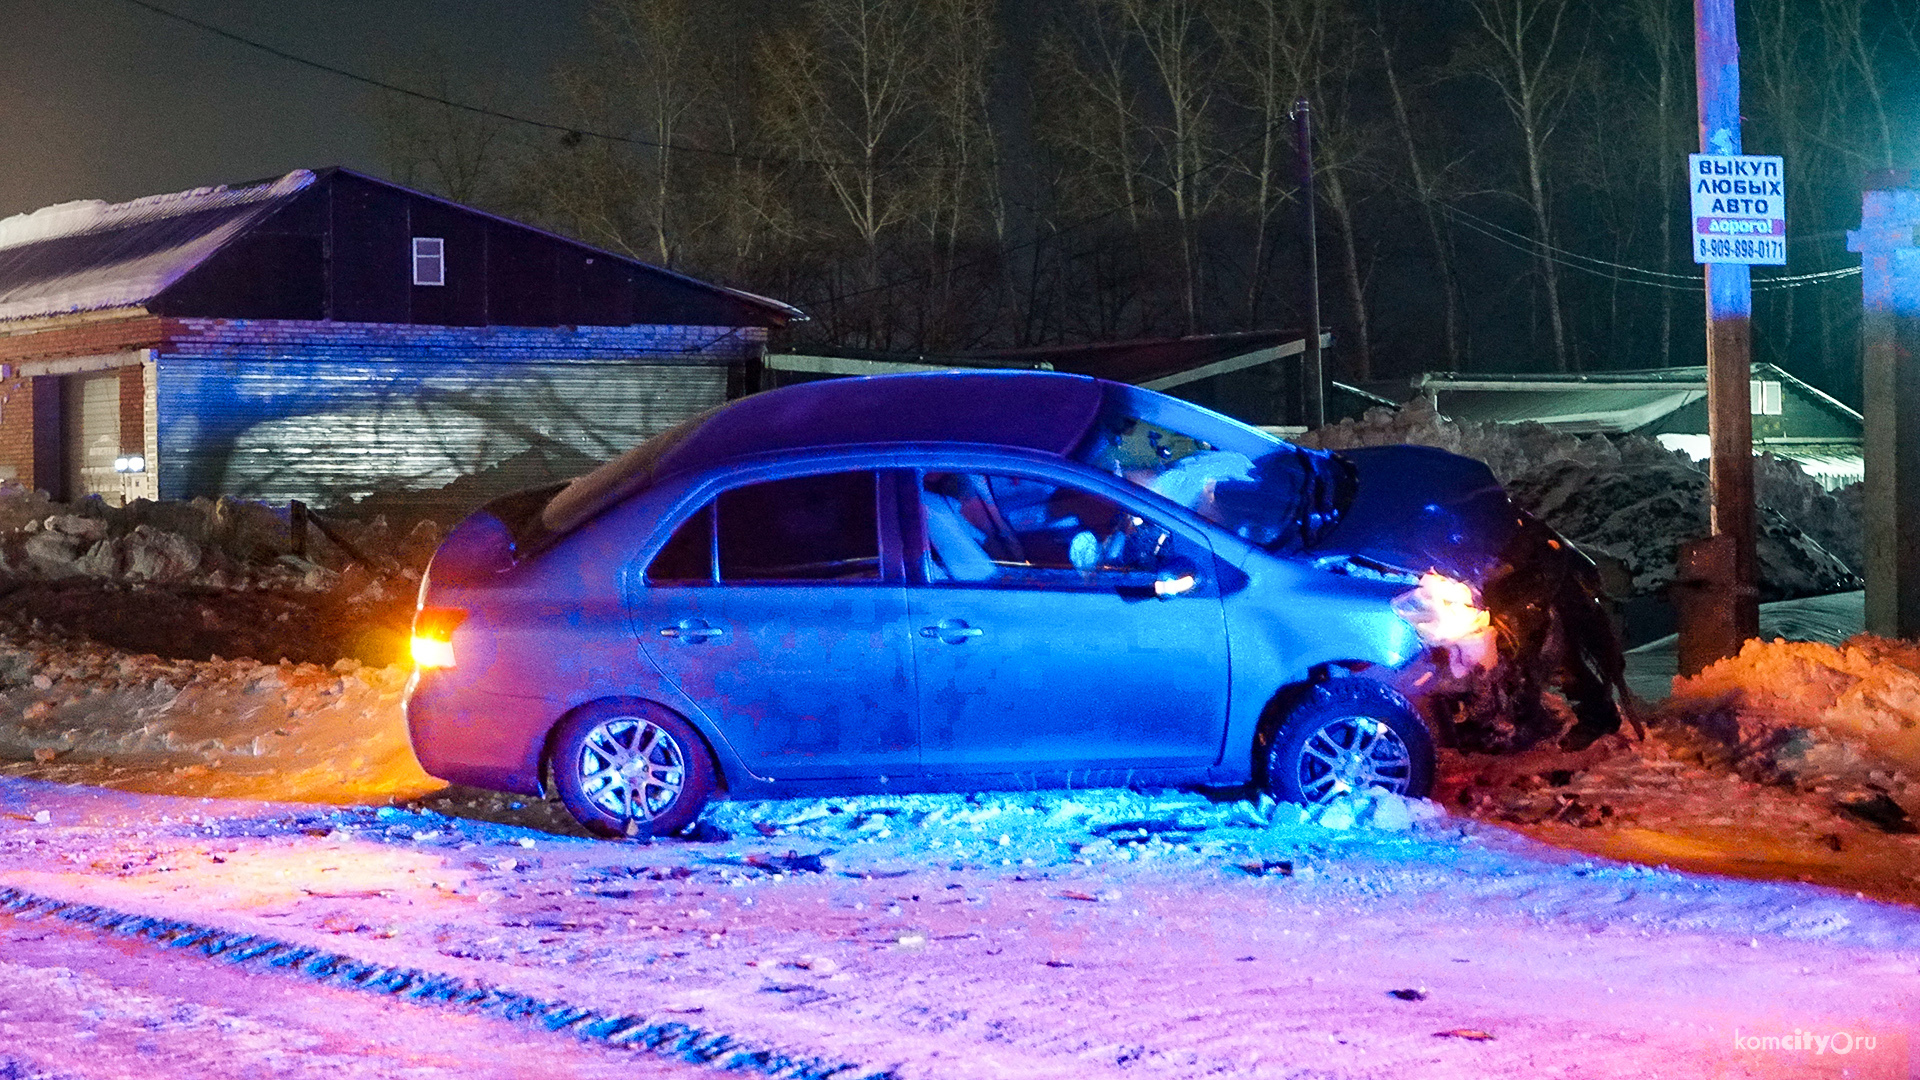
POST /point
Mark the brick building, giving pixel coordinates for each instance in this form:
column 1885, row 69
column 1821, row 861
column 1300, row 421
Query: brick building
column 327, row 335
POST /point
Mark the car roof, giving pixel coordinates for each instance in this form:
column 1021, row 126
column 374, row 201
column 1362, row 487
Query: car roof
column 1034, row 410
column 1044, row 411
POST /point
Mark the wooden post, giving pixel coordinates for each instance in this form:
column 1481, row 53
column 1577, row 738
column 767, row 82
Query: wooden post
column 1727, row 565
column 297, row 527
column 1313, row 379
column 1890, row 390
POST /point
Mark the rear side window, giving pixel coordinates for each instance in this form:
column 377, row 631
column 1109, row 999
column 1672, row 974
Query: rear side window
column 808, row 528
column 688, row 557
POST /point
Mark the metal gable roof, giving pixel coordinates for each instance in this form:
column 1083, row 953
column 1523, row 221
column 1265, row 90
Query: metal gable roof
column 92, row 255
column 1607, row 402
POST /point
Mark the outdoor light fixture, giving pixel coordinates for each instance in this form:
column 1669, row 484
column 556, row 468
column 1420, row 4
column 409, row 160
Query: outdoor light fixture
column 132, row 463
column 433, row 628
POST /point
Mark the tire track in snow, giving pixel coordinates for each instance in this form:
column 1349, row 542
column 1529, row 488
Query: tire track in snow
column 623, row 1030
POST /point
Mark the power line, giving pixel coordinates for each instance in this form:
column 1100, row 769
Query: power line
column 566, row 130
column 1572, row 260
column 1588, row 264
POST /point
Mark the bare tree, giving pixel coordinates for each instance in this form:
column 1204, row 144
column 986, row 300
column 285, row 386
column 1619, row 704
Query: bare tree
column 459, row 153
column 655, row 45
column 1090, row 108
column 844, row 103
column 1266, row 44
column 1430, row 193
column 1177, row 44
column 1847, row 32
column 1654, row 25
column 962, row 200
column 1525, row 53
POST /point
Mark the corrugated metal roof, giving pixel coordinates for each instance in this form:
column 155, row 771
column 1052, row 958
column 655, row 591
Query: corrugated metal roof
column 92, row 255
column 1606, row 402
column 87, row 256
column 1604, row 409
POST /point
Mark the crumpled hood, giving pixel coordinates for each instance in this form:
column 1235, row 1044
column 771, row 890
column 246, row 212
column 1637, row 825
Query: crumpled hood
column 1417, row 508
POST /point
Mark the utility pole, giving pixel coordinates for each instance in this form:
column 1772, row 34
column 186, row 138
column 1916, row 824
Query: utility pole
column 1313, row 394
column 1718, row 601
column 1890, row 292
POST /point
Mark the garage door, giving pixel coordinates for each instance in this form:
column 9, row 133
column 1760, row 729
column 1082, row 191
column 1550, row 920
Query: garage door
column 91, row 423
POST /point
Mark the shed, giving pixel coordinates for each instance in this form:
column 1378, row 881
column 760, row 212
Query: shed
column 1792, row 419
column 326, row 335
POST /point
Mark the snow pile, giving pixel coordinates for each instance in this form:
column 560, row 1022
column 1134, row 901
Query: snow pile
column 217, row 543
column 236, row 728
column 1632, row 499
column 1053, row 827
column 92, row 215
column 194, row 579
column 1840, row 720
column 161, row 238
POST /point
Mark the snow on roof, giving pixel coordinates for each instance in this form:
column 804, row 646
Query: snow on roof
column 89, row 255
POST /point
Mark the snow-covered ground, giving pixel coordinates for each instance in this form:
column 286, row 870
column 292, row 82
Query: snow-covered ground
column 1082, row 934
column 1046, row 934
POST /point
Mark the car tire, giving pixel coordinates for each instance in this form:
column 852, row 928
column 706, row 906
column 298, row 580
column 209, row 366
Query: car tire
column 1345, row 735
column 599, row 752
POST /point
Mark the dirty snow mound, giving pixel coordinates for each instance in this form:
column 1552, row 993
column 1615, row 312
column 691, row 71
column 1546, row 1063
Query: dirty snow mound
column 235, row 728
column 1842, row 720
column 1632, row 499
column 207, row 577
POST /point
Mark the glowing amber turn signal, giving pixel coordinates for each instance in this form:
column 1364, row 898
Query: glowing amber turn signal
column 1442, row 611
column 433, row 629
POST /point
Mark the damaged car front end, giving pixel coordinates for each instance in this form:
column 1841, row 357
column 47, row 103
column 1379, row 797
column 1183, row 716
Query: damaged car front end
column 1513, row 614
column 1512, row 617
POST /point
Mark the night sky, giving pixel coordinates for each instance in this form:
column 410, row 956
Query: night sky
column 102, row 100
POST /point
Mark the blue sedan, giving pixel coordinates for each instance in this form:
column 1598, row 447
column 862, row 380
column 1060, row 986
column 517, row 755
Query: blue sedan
column 956, row 581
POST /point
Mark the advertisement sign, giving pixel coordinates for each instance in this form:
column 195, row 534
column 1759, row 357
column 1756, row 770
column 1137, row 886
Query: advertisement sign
column 1739, row 208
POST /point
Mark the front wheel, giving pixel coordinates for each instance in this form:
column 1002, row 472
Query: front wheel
column 631, row 770
column 1344, row 736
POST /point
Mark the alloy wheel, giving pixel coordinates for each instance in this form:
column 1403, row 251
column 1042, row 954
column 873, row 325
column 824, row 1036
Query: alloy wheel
column 632, row 768
column 1353, row 753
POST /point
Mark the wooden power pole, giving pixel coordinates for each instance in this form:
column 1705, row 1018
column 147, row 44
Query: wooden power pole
column 1717, row 597
column 1313, row 376
column 1890, row 377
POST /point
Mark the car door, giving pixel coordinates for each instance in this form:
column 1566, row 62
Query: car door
column 770, row 608
column 1057, row 628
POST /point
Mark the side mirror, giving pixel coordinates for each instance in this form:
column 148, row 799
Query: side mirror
column 1178, row 576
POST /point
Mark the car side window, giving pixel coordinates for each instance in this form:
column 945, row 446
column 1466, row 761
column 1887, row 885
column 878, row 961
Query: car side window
column 805, row 528
column 688, row 557
column 1018, row 531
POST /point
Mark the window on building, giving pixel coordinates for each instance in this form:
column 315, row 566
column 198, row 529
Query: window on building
column 1765, row 397
column 429, row 260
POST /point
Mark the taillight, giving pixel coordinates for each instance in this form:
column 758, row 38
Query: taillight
column 433, row 629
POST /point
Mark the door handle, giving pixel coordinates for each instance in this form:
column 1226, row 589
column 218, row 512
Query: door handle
column 951, row 631
column 694, row 631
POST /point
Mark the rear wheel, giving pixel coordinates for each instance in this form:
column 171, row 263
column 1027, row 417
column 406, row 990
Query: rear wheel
column 1344, row 736
column 631, row 770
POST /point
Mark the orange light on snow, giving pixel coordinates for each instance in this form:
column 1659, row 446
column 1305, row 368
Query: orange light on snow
column 433, row 628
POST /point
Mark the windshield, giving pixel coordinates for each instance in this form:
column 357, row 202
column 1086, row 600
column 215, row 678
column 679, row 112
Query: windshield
column 1263, row 489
